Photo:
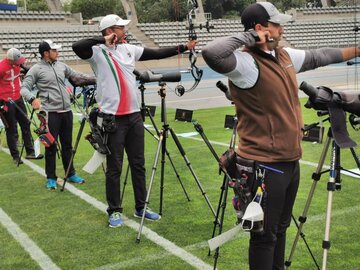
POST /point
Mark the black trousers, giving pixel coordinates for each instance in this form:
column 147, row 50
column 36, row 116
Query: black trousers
column 61, row 127
column 14, row 116
column 267, row 250
column 129, row 136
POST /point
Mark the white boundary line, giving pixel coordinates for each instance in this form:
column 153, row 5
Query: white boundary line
column 151, row 235
column 242, row 234
column 147, row 258
column 30, row 246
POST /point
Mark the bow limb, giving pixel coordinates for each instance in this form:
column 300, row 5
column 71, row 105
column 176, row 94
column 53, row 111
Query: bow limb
column 195, row 71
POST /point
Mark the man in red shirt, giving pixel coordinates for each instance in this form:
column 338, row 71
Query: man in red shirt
column 10, row 88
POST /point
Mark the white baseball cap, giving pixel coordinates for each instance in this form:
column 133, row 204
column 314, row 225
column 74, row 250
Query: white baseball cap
column 14, row 55
column 112, row 20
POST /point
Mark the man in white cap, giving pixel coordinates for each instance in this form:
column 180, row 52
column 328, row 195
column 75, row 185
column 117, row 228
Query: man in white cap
column 264, row 89
column 113, row 61
column 10, row 89
column 49, row 77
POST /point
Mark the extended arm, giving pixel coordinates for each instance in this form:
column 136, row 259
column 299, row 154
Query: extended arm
column 150, row 54
column 325, row 56
column 83, row 48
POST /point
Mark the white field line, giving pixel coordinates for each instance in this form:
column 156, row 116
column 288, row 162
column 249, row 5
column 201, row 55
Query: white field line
column 24, row 240
column 148, row 258
column 151, row 235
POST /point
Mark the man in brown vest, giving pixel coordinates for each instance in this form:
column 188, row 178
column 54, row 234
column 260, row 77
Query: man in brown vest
column 264, row 89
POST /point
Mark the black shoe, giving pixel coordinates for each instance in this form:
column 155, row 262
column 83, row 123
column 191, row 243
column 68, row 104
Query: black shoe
column 18, row 160
column 32, row 156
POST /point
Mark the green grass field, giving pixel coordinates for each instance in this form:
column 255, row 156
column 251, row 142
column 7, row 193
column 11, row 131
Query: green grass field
column 69, row 229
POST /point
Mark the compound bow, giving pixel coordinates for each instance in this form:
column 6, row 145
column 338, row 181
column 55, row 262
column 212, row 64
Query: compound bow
column 195, row 71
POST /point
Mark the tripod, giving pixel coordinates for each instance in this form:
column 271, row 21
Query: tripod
column 88, row 99
column 334, row 184
column 163, row 133
column 146, row 112
column 224, row 186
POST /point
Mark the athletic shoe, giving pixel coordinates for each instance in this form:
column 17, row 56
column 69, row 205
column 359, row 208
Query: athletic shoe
column 76, row 179
column 115, row 220
column 32, row 156
column 51, row 183
column 149, row 215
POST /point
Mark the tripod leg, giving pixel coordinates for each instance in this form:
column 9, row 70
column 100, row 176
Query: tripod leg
column 150, row 185
column 306, row 244
column 302, row 219
column 355, row 156
column 73, row 152
column 222, row 204
column 123, row 191
column 162, row 173
column 177, row 175
column 181, row 149
column 171, row 162
column 21, row 152
column 331, row 187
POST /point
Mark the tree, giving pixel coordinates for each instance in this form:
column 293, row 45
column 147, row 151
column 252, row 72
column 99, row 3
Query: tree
column 96, row 8
column 159, row 11
column 169, row 10
column 33, row 5
column 215, row 8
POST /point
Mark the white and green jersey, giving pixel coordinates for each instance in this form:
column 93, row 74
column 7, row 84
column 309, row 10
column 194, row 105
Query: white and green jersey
column 117, row 93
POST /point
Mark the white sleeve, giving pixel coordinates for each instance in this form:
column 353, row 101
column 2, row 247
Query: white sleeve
column 246, row 72
column 297, row 57
column 136, row 50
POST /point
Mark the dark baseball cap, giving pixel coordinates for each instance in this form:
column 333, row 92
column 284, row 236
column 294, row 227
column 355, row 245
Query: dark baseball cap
column 47, row 45
column 262, row 12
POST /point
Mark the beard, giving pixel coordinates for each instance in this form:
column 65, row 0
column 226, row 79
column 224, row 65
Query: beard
column 274, row 42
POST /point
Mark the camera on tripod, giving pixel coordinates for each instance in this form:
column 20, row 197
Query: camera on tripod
column 149, row 76
column 336, row 104
column 321, row 98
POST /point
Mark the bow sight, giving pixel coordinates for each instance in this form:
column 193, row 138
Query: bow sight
column 196, row 19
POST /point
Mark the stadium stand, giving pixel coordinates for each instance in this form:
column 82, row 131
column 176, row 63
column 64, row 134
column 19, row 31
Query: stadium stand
column 34, row 17
column 314, row 34
column 312, row 28
column 28, row 38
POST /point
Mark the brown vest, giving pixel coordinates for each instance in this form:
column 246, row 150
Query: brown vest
column 269, row 113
